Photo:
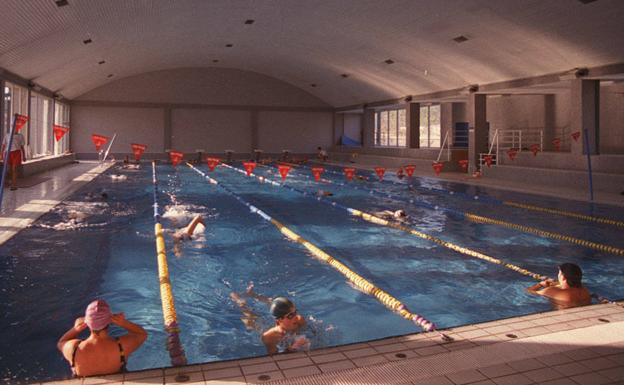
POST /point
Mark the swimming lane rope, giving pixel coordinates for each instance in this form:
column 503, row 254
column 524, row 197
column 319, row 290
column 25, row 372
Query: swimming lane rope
column 589, row 218
column 380, row 221
column 386, row 299
column 174, row 346
column 491, row 221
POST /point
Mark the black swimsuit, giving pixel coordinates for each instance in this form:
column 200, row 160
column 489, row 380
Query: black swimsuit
column 122, row 357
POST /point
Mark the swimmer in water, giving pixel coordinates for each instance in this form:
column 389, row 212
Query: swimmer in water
column 324, row 193
column 118, row 177
column 283, row 336
column 194, row 228
column 398, row 215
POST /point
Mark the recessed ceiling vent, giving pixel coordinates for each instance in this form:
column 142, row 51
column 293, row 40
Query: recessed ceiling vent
column 61, row 3
column 249, row 21
column 215, row 60
column 460, row 39
column 587, row 1
column 229, row 45
column 110, row 76
column 313, row 85
column 87, row 41
column 101, row 62
column 344, row 75
column 389, row 61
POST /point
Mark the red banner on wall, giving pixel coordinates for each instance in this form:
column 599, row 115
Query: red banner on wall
column 212, row 163
column 317, row 171
column 249, row 167
column 138, row 150
column 409, row 169
column 175, row 157
column 20, row 121
column 59, row 131
column 349, row 172
column 380, row 171
column 98, row 140
column 283, row 170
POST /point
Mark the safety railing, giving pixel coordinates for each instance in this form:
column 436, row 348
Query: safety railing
column 445, row 145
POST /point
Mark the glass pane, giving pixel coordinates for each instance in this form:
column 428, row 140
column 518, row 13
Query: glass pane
column 434, row 126
column 392, row 128
column 424, row 127
column 376, row 129
column 384, row 128
column 402, row 129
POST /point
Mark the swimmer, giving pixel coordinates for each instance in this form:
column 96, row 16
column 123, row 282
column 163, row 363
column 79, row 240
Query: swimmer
column 400, row 173
column 567, row 291
column 193, row 228
column 324, row 193
column 131, row 166
column 321, row 154
column 283, row 336
column 96, row 197
column 118, row 177
column 398, row 215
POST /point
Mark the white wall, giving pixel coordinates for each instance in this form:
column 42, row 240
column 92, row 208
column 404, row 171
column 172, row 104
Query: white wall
column 353, row 126
column 299, row 132
column 213, row 109
column 211, row 130
column 132, row 125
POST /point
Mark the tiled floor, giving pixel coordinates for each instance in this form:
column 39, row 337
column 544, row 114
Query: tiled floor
column 578, row 346
column 574, row 346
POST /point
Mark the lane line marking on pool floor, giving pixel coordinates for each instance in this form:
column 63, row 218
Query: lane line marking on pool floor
column 386, row 299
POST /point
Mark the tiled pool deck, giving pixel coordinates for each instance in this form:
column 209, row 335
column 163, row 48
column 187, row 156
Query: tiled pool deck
column 574, row 346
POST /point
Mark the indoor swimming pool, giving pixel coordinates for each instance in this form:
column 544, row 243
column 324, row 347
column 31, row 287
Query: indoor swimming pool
column 96, row 245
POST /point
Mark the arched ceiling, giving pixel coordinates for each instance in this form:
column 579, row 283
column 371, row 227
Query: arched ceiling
column 310, row 42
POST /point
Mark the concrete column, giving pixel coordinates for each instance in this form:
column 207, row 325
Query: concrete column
column 255, row 134
column 168, row 129
column 478, row 129
column 585, row 115
column 550, row 122
column 368, row 128
column 338, row 128
column 412, row 117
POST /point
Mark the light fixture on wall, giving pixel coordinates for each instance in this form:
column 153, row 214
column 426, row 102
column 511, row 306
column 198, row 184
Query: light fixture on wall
column 408, row 98
column 574, row 73
column 469, row 89
column 57, row 96
column 34, row 86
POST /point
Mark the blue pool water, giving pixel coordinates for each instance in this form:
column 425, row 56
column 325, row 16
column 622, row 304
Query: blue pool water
column 50, row 271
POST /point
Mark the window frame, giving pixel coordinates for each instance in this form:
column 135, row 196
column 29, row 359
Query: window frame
column 386, row 136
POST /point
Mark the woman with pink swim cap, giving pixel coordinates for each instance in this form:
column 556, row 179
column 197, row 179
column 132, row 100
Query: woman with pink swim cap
column 100, row 353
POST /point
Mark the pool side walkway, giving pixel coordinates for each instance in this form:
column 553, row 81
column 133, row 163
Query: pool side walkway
column 578, row 346
column 23, row 206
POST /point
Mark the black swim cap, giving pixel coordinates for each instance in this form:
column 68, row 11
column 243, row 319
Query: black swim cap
column 281, row 306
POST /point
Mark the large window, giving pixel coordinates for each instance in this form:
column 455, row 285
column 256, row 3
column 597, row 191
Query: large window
column 61, row 117
column 390, row 128
column 430, row 126
column 40, row 139
column 15, row 101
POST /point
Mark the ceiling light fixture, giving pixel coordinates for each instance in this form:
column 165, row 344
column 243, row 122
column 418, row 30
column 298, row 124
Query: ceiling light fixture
column 345, row 75
column 215, row 61
column 61, row 3
column 460, row 39
column 574, row 73
column 313, row 85
column 229, row 45
column 101, row 62
column 87, row 41
column 110, row 75
column 389, row 61
column 249, row 21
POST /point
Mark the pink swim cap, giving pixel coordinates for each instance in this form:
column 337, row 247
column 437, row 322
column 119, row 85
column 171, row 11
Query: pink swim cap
column 98, row 315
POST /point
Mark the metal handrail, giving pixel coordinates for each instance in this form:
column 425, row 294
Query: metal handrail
column 448, row 147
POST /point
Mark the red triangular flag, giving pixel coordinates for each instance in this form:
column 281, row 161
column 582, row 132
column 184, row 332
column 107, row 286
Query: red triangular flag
column 59, row 131
column 137, row 150
column 20, row 121
column 437, row 167
column 557, row 143
column 317, row 171
column 576, row 135
column 98, row 140
column 464, row 164
column 175, row 157
column 534, row 149
column 212, row 163
column 349, row 172
column 380, row 171
column 409, row 169
column 249, row 167
column 512, row 152
column 283, row 170
column 488, row 160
